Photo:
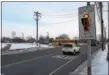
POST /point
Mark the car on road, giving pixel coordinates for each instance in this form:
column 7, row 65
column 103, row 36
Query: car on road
column 70, row 48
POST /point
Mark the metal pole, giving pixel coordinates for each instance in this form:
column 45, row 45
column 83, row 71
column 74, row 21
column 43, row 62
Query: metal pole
column 102, row 27
column 89, row 69
column 105, row 33
column 108, row 35
column 37, row 14
column 37, row 27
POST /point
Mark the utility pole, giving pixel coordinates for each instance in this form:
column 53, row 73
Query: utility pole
column 108, row 35
column 89, row 69
column 23, row 35
column 37, row 15
column 48, row 34
column 48, row 38
column 102, row 27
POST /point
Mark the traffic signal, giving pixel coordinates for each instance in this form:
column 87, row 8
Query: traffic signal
column 86, row 22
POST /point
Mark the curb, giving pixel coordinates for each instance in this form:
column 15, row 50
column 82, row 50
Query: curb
column 83, row 65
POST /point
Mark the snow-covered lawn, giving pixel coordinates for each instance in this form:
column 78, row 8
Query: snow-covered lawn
column 21, row 46
column 25, row 45
column 46, row 46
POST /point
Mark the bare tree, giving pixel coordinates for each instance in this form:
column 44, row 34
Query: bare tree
column 63, row 36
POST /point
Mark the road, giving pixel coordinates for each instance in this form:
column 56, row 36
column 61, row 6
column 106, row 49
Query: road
column 44, row 62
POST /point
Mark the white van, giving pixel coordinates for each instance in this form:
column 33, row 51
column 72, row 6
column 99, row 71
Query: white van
column 70, row 48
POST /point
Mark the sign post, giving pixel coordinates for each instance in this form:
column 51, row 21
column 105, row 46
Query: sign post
column 89, row 68
column 87, row 29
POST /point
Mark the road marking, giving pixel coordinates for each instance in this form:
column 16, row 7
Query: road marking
column 23, row 61
column 64, row 57
column 58, row 56
column 60, row 67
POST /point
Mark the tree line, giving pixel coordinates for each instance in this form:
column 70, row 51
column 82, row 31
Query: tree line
column 16, row 40
column 21, row 40
column 42, row 39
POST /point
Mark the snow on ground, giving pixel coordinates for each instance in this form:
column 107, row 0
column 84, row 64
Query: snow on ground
column 3, row 45
column 46, row 46
column 25, row 45
column 21, row 45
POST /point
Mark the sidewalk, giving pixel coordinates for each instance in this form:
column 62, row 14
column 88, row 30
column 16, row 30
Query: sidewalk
column 99, row 65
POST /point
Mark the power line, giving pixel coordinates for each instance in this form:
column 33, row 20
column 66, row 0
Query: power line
column 71, row 16
column 60, row 14
column 61, row 22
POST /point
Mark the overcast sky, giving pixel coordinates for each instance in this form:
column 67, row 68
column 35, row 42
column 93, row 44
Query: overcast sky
column 56, row 18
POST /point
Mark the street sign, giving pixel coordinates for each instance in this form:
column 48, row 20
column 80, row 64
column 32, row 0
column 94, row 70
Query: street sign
column 87, row 29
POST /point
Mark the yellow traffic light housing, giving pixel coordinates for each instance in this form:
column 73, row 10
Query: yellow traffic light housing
column 86, row 22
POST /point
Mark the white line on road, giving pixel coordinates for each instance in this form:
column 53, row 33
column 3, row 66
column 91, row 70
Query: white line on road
column 23, row 61
column 60, row 67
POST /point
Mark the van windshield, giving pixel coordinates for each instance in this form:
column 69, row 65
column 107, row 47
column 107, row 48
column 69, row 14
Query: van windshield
column 68, row 45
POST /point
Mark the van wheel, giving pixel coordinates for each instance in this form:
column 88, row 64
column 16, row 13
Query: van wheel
column 74, row 52
column 64, row 53
column 79, row 51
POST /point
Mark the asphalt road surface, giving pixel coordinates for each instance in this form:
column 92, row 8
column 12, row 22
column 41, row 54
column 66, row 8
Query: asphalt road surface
column 44, row 62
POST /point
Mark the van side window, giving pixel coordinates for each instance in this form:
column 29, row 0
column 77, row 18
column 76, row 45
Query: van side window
column 68, row 45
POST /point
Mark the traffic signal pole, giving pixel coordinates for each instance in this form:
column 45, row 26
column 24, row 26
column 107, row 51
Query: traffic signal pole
column 89, row 69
